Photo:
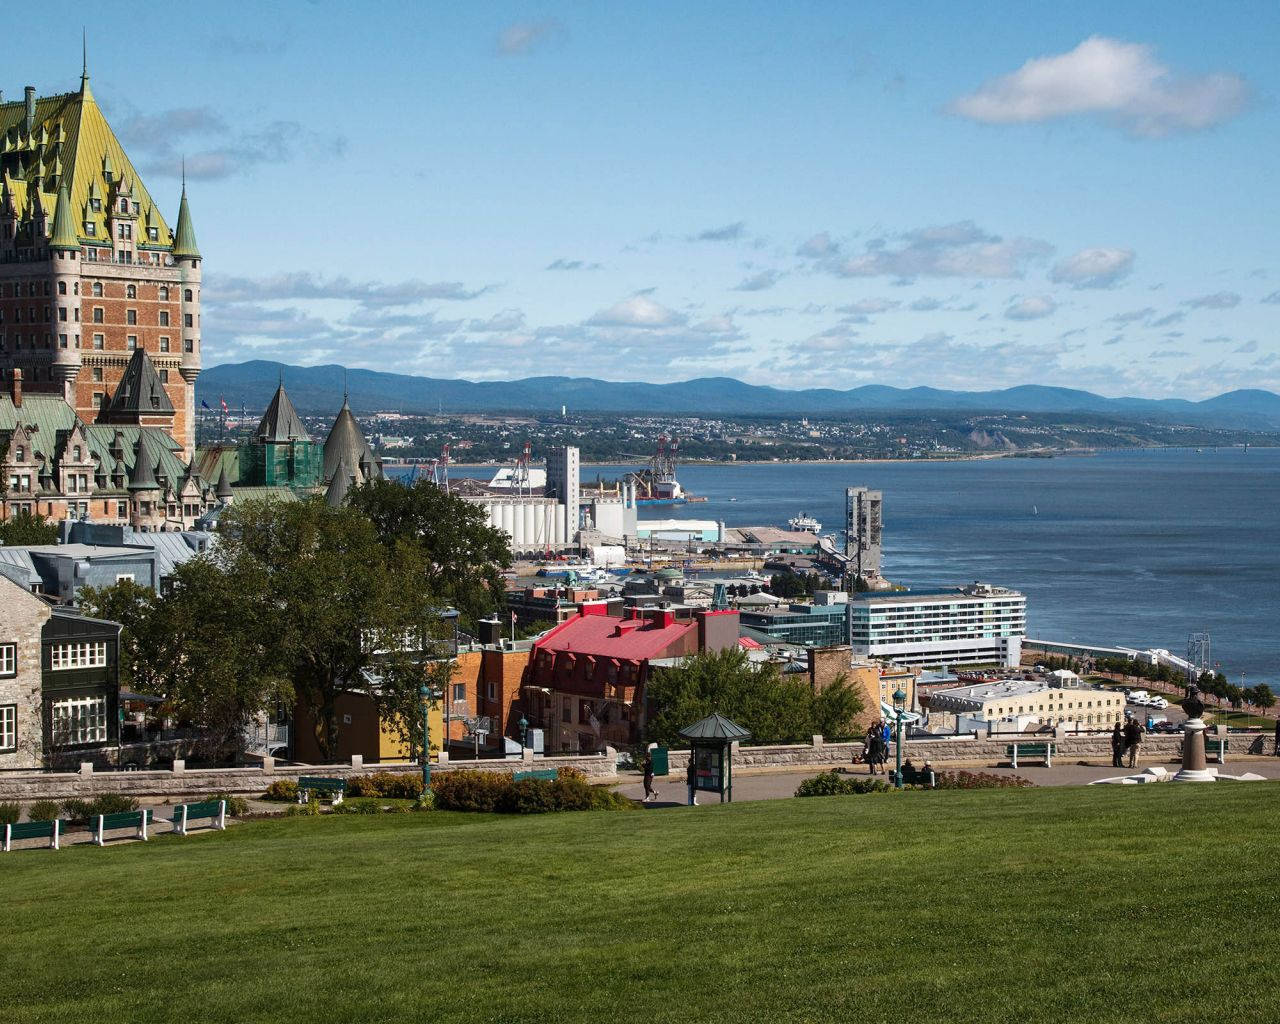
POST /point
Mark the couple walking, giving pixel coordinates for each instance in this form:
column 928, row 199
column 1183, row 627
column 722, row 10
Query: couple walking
column 1126, row 742
column 875, row 747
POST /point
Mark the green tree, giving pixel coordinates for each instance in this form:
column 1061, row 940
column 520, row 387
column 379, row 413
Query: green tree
column 354, row 610
column 773, row 707
column 1263, row 696
column 25, row 528
column 460, row 556
column 141, row 644
column 787, row 585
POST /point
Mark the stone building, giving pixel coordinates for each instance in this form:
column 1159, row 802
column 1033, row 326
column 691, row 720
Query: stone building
column 91, row 271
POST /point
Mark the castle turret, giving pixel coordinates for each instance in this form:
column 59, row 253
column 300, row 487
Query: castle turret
column 186, row 254
column 64, row 248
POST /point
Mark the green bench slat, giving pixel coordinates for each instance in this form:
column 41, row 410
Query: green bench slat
column 1033, row 749
column 125, row 819
column 537, row 773
column 322, row 785
column 208, row 809
column 32, row 830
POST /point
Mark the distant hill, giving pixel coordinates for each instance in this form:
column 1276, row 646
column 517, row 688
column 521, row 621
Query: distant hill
column 318, row 389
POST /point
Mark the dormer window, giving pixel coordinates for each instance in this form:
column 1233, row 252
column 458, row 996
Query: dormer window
column 22, row 454
column 153, row 234
column 124, row 206
column 95, row 205
column 76, row 452
column 90, row 228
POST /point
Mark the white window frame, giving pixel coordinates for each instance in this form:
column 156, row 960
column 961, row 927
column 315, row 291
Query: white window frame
column 80, row 654
column 80, row 720
column 8, row 660
column 8, row 727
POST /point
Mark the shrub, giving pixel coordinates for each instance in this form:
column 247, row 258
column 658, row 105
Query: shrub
column 77, row 811
column 530, row 796
column 610, row 800
column 571, row 771
column 237, row 806
column 470, row 790
column 112, row 803
column 9, row 813
column 42, row 810
column 310, row 809
column 835, row 784
column 572, row 794
column 425, row 802
column 282, row 789
column 979, row 780
column 393, row 786
column 360, row 805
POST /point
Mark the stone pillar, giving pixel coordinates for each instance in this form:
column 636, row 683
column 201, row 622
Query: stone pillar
column 1194, row 768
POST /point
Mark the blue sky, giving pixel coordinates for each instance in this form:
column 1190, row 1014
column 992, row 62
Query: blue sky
column 802, row 194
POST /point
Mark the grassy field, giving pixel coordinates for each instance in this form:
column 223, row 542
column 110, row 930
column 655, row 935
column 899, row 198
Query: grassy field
column 1102, row 904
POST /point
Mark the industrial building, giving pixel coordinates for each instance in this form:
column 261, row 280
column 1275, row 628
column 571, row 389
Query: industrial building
column 975, row 625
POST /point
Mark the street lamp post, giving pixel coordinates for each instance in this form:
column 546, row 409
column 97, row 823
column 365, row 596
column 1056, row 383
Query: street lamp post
column 427, row 695
column 900, row 707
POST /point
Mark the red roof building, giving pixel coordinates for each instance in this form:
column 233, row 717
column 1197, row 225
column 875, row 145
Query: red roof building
column 586, row 678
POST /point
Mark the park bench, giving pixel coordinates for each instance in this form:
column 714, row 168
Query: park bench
column 913, row 776
column 1039, row 749
column 213, row 811
column 535, row 773
column 1221, row 743
column 335, row 789
column 104, row 823
column 33, row 830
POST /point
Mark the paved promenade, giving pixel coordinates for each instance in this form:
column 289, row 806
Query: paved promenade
column 777, row 785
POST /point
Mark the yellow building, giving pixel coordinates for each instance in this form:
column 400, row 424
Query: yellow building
column 1014, row 699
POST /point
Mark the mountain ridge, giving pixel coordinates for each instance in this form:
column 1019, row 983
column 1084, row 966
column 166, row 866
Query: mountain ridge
column 319, row 389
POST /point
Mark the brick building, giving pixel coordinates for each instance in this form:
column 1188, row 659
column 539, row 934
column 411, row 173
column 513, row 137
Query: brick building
column 586, row 678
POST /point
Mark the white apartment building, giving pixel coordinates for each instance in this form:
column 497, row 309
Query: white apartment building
column 975, row 625
column 1022, row 703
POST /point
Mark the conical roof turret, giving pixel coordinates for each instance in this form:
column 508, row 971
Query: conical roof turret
column 346, row 443
column 142, row 477
column 64, row 224
column 184, row 235
column 224, row 485
column 281, row 421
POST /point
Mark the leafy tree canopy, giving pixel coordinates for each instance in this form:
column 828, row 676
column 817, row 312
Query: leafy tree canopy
column 25, row 528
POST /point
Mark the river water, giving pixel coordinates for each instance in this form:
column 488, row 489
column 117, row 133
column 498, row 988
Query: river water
column 1135, row 548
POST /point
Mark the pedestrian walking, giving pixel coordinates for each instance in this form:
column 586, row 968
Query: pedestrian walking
column 1117, row 747
column 1132, row 738
column 649, row 792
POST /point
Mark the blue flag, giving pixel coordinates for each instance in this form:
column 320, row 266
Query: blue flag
column 204, row 405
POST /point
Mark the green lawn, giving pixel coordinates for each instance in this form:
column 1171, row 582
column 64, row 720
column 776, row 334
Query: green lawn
column 1077, row 904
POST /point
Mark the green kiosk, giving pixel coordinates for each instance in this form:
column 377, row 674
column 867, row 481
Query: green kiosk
column 711, row 755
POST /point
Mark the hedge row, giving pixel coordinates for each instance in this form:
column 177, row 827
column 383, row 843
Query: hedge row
column 498, row 792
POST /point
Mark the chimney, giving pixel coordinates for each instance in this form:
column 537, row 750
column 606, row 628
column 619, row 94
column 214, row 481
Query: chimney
column 31, row 108
column 16, row 388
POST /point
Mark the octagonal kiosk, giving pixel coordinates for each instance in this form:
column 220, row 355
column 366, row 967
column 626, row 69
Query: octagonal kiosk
column 711, row 755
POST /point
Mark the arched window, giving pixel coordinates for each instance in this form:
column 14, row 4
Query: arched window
column 62, row 287
column 164, row 293
column 131, row 292
column 187, row 295
column 77, row 453
column 97, row 289
column 22, row 454
column 124, row 206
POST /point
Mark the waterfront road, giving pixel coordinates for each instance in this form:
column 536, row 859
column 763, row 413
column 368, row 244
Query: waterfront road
column 775, row 785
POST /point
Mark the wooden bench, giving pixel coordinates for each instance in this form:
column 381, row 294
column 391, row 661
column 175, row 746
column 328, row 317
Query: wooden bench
column 33, row 830
column 1222, row 743
column 213, row 811
column 335, row 789
column 535, row 773
column 913, row 776
column 1039, row 749
column 104, row 823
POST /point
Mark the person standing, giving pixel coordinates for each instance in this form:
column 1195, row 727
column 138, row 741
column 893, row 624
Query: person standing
column 871, row 744
column 1117, row 747
column 692, row 778
column 649, row 792
column 1276, row 752
column 1132, row 737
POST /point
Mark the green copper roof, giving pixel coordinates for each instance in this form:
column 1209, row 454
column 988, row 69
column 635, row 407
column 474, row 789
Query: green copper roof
column 65, row 235
column 184, row 238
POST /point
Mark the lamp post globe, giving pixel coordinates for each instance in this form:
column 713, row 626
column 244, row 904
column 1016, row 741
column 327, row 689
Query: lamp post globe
column 900, row 708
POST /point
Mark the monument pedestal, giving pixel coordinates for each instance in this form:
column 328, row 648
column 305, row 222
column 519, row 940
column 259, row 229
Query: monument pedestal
column 1195, row 767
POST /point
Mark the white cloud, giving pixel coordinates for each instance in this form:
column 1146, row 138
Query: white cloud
column 637, row 311
column 507, row 320
column 1094, row 268
column 1121, row 81
column 526, row 36
column 819, row 247
column 1218, row 300
column 1033, row 307
column 961, row 249
column 758, row 282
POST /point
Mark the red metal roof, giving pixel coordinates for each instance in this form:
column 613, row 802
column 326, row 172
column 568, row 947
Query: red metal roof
column 747, row 644
column 600, row 635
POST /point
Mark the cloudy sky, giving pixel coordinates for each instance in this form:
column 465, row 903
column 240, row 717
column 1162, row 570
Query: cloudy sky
column 827, row 194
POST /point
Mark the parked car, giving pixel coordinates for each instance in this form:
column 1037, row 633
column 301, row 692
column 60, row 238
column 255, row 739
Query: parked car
column 1157, row 701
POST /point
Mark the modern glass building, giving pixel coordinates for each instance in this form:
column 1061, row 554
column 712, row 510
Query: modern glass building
column 975, row 625
column 822, row 625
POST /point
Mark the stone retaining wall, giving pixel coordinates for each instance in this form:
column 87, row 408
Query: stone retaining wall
column 983, row 750
column 253, row 781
